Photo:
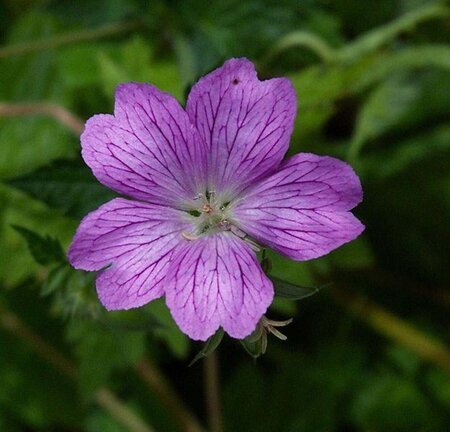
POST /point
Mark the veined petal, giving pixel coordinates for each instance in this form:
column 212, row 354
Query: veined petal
column 136, row 240
column 148, row 150
column 216, row 281
column 302, row 210
column 246, row 123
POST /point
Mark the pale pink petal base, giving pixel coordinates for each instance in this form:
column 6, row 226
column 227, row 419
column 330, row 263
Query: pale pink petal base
column 136, row 241
column 302, row 210
column 216, row 281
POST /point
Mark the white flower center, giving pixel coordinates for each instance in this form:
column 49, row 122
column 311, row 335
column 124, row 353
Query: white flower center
column 211, row 215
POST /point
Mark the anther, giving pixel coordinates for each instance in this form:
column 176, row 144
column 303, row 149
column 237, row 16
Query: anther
column 206, row 208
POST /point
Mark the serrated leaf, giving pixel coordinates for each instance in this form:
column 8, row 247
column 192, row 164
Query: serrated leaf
column 210, row 346
column 45, row 250
column 67, row 185
column 291, row 291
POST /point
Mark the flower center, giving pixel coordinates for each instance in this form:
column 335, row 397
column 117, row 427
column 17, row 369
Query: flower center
column 212, row 214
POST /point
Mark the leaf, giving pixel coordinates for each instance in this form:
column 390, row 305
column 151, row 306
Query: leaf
column 382, row 35
column 292, row 291
column 133, row 61
column 416, row 57
column 67, row 185
column 45, row 250
column 384, row 108
column 387, row 163
column 210, row 346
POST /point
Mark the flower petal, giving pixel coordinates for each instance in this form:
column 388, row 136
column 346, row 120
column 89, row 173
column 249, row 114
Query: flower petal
column 137, row 239
column 302, row 210
column 246, row 123
column 217, row 281
column 148, row 150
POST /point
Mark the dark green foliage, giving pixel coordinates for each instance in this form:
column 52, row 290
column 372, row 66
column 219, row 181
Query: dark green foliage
column 65, row 185
column 45, row 250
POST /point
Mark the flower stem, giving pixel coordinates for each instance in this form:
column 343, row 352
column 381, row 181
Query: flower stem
column 104, row 397
column 59, row 113
column 158, row 383
column 68, row 39
column 392, row 327
column 212, row 392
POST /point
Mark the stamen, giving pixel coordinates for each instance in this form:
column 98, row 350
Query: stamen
column 206, row 208
column 189, row 236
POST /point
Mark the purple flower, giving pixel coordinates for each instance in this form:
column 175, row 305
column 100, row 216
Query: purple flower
column 208, row 183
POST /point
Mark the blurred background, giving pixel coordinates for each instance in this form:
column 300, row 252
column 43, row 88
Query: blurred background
column 369, row 352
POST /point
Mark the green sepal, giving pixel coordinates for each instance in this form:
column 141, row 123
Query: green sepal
column 256, row 343
column 210, row 346
column 292, row 291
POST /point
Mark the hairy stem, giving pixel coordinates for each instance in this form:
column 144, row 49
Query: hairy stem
column 68, row 39
column 212, row 392
column 157, row 382
column 104, row 397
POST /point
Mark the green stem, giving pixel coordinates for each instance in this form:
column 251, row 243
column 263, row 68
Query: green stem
column 59, row 113
column 68, row 39
column 299, row 39
column 157, row 382
column 392, row 327
column 372, row 40
column 212, row 392
column 364, row 45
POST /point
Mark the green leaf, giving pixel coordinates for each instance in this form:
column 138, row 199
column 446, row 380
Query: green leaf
column 416, row 57
column 133, row 61
column 384, row 108
column 45, row 250
column 210, row 346
column 376, row 38
column 387, row 163
column 67, row 185
column 292, row 291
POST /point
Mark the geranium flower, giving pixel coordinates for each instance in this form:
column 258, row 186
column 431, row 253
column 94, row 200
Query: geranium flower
column 208, row 185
